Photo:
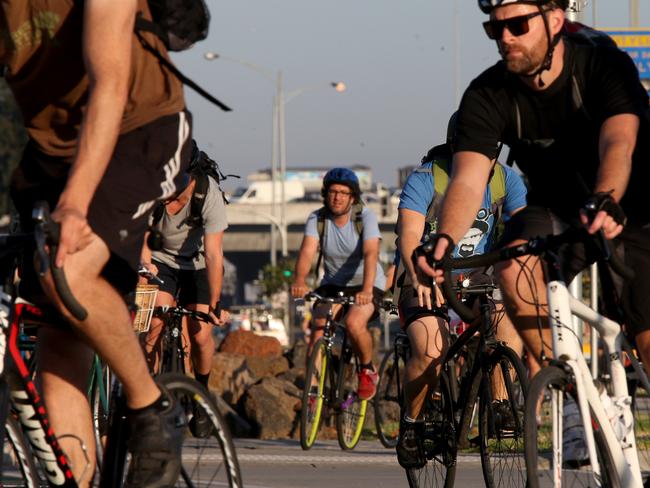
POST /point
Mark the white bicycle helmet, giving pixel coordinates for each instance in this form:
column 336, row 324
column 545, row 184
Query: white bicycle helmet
column 487, row 6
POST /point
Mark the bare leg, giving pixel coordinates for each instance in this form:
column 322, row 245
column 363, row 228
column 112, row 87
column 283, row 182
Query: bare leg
column 523, row 286
column 356, row 323
column 64, row 365
column 202, row 349
column 153, row 338
column 429, row 339
column 107, row 329
column 643, row 346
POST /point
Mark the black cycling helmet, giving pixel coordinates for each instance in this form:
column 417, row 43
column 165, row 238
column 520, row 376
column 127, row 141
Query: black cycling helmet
column 342, row 176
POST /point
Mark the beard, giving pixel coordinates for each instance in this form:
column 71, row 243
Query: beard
column 528, row 60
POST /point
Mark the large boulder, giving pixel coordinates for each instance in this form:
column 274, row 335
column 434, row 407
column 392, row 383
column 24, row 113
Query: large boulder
column 238, row 426
column 230, row 376
column 248, row 343
column 263, row 367
column 271, row 406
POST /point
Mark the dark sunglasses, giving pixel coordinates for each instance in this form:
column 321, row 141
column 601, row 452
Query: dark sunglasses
column 517, row 26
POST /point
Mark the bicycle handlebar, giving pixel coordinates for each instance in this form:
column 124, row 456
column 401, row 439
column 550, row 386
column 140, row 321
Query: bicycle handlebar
column 47, row 232
column 184, row 312
column 535, row 246
column 341, row 300
column 145, row 273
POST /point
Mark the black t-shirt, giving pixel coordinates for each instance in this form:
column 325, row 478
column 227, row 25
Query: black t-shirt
column 555, row 137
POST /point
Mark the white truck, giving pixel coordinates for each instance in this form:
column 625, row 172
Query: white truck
column 261, row 192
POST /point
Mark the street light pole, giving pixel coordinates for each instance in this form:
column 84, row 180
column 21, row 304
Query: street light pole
column 339, row 86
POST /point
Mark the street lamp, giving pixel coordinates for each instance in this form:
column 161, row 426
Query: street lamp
column 269, row 75
column 279, row 139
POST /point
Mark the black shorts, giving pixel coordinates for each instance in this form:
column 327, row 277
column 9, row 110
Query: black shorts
column 135, row 178
column 331, row 291
column 410, row 310
column 633, row 245
column 188, row 286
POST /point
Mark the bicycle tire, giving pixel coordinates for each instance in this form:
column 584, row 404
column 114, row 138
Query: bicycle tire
column 201, row 466
column 172, row 357
column 552, row 383
column 351, row 410
column 18, row 465
column 439, row 441
column 502, row 433
column 100, row 411
column 388, row 400
column 314, row 394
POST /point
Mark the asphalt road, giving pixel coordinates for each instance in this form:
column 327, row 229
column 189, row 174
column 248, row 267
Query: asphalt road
column 275, row 464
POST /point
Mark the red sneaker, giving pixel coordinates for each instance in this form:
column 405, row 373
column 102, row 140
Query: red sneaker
column 367, row 384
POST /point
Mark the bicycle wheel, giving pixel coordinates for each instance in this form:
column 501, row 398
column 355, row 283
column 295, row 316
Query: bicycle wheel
column 173, row 355
column 99, row 402
column 388, row 399
column 314, row 394
column 501, row 420
column 207, row 461
column 439, row 441
column 553, row 390
column 641, row 410
column 18, row 466
column 351, row 410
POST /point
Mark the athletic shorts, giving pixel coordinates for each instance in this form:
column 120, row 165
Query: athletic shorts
column 331, row 291
column 410, row 310
column 189, row 286
column 633, row 245
column 134, row 179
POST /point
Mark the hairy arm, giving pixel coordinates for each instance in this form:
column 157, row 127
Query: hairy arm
column 308, row 250
column 469, row 177
column 107, row 43
column 410, row 226
column 616, row 144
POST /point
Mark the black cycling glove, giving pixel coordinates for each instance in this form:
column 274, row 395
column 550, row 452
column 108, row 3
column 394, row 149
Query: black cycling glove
column 428, row 246
column 604, row 201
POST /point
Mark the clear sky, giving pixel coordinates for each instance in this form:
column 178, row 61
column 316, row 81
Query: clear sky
column 395, row 56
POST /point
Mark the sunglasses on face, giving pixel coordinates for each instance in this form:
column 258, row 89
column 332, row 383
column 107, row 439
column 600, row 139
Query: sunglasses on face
column 517, row 26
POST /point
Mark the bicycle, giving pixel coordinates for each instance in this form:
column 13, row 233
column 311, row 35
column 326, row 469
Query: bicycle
column 388, row 399
column 20, row 393
column 610, row 461
column 475, row 369
column 331, row 383
column 207, row 469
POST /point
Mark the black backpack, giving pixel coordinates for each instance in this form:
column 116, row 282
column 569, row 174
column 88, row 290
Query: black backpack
column 202, row 168
column 179, row 24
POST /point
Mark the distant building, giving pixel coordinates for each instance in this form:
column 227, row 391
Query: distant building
column 402, row 174
column 312, row 177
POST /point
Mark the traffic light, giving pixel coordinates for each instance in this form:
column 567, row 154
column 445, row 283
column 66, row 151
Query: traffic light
column 287, row 273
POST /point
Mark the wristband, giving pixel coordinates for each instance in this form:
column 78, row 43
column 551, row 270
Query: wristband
column 216, row 309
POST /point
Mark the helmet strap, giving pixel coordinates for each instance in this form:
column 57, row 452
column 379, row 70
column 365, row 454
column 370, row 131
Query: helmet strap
column 548, row 59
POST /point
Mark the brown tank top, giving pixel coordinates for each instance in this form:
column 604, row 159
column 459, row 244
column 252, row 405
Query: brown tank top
column 41, row 48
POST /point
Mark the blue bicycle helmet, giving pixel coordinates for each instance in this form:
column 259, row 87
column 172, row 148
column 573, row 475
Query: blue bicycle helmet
column 342, row 176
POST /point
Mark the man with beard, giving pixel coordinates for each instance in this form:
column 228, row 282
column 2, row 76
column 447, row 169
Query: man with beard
column 419, row 305
column 575, row 118
column 348, row 235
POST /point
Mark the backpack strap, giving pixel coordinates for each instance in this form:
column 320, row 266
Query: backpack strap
column 201, row 187
column 357, row 215
column 157, row 214
column 320, row 228
column 176, row 72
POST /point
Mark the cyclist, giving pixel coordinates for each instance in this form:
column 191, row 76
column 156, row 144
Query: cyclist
column 575, row 117
column 420, row 305
column 190, row 264
column 91, row 112
column 349, row 236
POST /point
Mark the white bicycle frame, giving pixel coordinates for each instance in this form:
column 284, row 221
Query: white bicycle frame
column 567, row 348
